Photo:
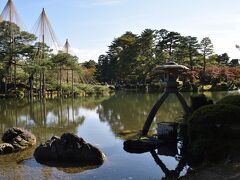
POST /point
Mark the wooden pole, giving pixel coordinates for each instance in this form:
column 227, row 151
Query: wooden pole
column 72, row 85
column 44, row 85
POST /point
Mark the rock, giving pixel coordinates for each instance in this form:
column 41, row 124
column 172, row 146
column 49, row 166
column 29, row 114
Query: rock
column 167, row 131
column 6, row 148
column 19, row 138
column 142, row 145
column 69, row 148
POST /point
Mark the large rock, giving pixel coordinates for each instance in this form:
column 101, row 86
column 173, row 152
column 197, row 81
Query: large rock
column 19, row 138
column 69, row 148
column 6, row 148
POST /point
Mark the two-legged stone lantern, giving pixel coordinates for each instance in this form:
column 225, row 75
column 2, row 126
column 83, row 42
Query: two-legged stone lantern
column 171, row 72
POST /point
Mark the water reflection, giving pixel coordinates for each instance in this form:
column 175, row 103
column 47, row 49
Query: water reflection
column 10, row 164
column 129, row 111
column 45, row 118
column 176, row 149
column 123, row 111
column 99, row 121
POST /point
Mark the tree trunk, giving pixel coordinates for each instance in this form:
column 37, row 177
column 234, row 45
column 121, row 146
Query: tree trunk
column 61, row 81
column 67, row 76
column 15, row 77
column 190, row 61
column 57, row 83
column 204, row 64
column 31, row 86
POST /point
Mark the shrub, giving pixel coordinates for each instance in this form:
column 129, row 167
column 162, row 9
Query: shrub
column 92, row 89
column 233, row 100
column 209, row 127
column 198, row 101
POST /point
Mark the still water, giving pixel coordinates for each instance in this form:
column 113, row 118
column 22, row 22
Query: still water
column 100, row 121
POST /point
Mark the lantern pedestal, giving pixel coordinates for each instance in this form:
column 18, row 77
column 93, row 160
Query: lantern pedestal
column 171, row 72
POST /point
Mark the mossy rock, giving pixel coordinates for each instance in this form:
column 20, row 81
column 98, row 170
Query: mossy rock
column 209, row 127
column 233, row 100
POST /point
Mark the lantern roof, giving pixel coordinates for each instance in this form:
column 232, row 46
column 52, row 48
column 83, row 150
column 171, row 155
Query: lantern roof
column 170, row 67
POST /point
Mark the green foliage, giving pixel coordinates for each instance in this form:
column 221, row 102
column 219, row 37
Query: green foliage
column 89, row 64
column 223, row 86
column 85, row 89
column 233, row 100
column 234, row 62
column 189, row 46
column 169, row 42
column 64, row 59
column 30, row 61
column 215, row 114
column 223, row 58
column 131, row 58
column 14, row 46
column 118, row 64
column 88, row 89
column 209, row 127
column 206, row 48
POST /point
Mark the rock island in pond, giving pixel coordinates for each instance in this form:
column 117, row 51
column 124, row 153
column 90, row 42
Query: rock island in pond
column 68, row 149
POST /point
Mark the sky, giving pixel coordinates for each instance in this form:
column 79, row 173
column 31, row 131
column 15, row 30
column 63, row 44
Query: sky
column 91, row 25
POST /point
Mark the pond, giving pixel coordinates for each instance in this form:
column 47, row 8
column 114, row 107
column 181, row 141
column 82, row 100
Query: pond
column 100, row 121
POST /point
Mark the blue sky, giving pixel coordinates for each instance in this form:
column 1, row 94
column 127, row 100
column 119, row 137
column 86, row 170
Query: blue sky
column 91, row 25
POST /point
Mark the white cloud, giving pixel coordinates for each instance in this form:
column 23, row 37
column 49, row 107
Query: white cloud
column 105, row 2
column 87, row 54
column 95, row 3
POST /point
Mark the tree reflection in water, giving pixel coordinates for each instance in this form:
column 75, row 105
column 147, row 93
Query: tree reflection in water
column 123, row 111
column 128, row 111
column 45, row 119
column 41, row 117
column 175, row 148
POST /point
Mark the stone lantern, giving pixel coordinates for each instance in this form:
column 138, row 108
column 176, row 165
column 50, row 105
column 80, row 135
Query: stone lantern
column 171, row 72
